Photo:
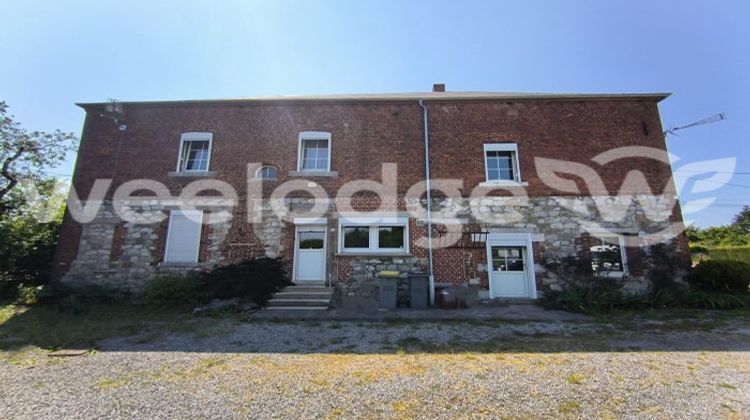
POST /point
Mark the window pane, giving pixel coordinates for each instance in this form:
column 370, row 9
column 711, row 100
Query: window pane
column 514, row 265
column 357, row 237
column 391, row 237
column 499, row 166
column 267, row 172
column 507, row 259
column 196, row 155
column 311, row 240
column 606, row 254
column 315, row 154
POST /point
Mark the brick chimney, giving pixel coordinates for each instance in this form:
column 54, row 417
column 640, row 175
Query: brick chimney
column 438, row 87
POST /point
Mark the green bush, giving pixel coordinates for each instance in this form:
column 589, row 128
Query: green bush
column 601, row 295
column 79, row 299
column 173, row 289
column 255, row 280
column 716, row 285
column 721, row 276
column 734, row 253
column 716, row 300
column 27, row 295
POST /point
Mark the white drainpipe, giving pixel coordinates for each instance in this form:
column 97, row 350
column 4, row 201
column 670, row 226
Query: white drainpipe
column 429, row 199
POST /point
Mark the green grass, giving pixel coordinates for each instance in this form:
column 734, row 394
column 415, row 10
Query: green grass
column 569, row 406
column 575, row 379
column 45, row 327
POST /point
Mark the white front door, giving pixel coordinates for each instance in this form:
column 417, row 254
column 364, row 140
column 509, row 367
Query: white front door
column 310, row 261
column 509, row 272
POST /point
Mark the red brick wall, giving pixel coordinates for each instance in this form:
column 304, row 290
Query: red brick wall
column 364, row 135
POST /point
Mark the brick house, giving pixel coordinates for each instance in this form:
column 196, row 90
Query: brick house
column 491, row 227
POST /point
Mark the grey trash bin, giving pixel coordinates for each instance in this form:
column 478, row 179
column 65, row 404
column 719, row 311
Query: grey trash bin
column 419, row 291
column 388, row 285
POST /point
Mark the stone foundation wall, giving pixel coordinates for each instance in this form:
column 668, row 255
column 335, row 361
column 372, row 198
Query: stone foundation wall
column 131, row 259
column 125, row 255
column 357, row 284
column 558, row 226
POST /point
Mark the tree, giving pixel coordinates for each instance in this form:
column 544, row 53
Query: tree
column 742, row 220
column 26, row 154
column 26, row 245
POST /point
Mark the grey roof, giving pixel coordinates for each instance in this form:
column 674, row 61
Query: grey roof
column 402, row 97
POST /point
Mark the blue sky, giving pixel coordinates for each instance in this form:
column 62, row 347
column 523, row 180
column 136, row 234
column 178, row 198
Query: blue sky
column 57, row 53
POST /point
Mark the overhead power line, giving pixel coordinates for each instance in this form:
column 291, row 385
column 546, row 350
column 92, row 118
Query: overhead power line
column 707, row 120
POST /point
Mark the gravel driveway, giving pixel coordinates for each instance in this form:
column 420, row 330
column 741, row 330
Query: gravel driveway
column 234, row 368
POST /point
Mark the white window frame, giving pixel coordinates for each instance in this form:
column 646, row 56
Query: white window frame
column 257, row 172
column 190, row 214
column 374, row 224
column 313, row 135
column 623, row 254
column 503, row 147
column 194, row 136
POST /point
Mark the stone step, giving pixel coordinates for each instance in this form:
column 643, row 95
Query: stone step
column 309, row 283
column 281, row 302
column 292, row 294
column 295, row 308
column 306, row 289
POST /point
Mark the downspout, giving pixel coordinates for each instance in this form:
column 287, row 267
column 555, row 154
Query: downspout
column 429, row 200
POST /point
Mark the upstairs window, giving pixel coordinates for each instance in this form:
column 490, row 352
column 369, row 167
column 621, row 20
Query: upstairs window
column 267, row 172
column 314, row 151
column 607, row 255
column 195, row 152
column 501, row 162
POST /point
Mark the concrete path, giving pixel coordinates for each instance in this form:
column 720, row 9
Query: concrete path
column 521, row 312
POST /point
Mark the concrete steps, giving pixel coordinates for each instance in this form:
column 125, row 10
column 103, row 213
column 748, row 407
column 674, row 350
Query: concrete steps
column 303, row 296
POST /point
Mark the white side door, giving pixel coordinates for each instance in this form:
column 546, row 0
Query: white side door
column 509, row 271
column 310, row 254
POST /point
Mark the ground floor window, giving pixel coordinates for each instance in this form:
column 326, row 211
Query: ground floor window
column 607, row 255
column 362, row 236
column 183, row 236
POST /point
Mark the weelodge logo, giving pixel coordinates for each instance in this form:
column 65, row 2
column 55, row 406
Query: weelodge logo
column 609, row 211
column 634, row 192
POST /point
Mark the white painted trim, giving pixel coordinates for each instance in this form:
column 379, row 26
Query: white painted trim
column 310, row 221
column 503, row 147
column 297, row 230
column 195, row 136
column 513, row 239
column 623, row 252
column 313, row 135
column 373, row 223
column 198, row 213
column 373, row 220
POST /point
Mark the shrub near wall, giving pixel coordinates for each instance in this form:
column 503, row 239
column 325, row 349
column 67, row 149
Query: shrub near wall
column 735, row 253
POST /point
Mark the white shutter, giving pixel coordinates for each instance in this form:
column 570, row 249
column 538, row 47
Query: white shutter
column 183, row 236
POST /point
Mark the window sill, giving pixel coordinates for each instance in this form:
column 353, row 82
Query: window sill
column 329, row 174
column 503, row 184
column 180, row 264
column 191, row 174
column 611, row 275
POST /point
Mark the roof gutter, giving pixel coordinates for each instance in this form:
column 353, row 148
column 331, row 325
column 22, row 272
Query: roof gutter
column 429, row 199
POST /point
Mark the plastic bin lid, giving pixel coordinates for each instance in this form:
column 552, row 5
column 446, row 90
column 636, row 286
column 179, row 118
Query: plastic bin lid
column 388, row 274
